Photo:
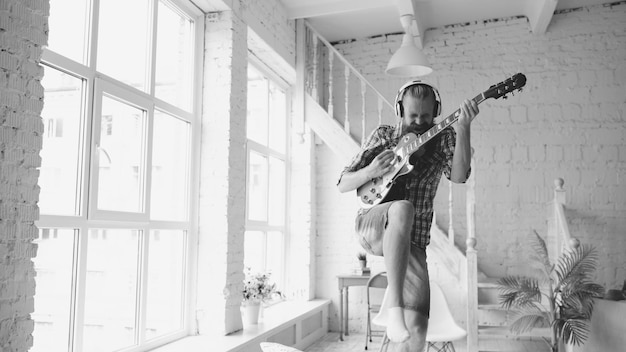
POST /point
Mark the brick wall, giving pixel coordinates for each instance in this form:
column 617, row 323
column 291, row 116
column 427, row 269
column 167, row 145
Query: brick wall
column 223, row 175
column 23, row 33
column 569, row 122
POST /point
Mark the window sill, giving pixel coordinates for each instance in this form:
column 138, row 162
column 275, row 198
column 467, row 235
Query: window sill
column 296, row 324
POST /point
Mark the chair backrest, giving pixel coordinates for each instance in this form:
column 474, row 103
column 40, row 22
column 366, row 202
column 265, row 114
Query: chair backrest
column 441, row 323
column 378, row 280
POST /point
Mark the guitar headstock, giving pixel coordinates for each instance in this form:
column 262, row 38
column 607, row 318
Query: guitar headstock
column 516, row 82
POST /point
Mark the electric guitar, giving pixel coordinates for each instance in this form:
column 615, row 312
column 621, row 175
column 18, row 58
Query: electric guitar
column 376, row 190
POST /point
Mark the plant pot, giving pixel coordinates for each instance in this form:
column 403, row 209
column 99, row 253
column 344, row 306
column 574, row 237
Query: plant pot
column 251, row 313
column 363, row 264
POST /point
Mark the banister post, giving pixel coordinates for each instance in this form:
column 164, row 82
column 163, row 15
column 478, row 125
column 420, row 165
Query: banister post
column 559, row 191
column 472, row 262
column 472, row 295
column 451, row 233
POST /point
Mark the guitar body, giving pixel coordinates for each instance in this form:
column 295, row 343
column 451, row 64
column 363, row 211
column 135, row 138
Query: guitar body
column 376, row 190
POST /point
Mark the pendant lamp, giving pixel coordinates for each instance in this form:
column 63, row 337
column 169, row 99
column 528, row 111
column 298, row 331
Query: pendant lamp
column 409, row 60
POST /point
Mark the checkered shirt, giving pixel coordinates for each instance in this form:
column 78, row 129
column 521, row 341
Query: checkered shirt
column 420, row 185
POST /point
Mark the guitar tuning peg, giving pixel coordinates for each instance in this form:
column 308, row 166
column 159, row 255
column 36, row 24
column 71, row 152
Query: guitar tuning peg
column 505, row 97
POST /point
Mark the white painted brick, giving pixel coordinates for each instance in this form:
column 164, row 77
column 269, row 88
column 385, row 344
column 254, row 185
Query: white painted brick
column 23, row 27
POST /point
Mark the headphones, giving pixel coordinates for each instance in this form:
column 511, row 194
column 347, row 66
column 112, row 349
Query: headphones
column 398, row 104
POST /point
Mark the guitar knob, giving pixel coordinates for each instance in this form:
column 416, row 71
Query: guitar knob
column 370, row 202
column 378, row 195
column 365, row 198
column 373, row 190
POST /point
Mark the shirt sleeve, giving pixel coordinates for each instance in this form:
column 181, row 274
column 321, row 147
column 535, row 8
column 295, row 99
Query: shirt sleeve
column 374, row 144
column 448, row 144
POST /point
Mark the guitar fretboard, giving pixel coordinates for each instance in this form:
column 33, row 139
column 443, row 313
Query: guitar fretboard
column 437, row 128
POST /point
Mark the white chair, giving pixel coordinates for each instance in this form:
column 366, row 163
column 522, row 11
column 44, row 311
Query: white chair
column 442, row 329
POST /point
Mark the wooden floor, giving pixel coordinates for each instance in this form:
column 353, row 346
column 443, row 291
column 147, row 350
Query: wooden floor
column 354, row 343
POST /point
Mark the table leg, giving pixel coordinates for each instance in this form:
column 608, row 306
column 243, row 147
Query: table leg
column 347, row 308
column 340, row 313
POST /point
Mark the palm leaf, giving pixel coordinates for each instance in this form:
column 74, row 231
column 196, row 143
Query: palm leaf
column 580, row 302
column 574, row 331
column 575, row 264
column 540, row 253
column 517, row 291
column 527, row 322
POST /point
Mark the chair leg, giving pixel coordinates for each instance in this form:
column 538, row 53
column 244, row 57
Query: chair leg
column 445, row 347
column 368, row 330
column 385, row 343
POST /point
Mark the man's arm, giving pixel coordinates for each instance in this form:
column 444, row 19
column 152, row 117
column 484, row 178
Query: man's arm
column 379, row 166
column 463, row 150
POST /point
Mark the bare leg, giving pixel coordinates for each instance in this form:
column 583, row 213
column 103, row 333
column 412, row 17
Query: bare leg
column 396, row 245
column 416, row 302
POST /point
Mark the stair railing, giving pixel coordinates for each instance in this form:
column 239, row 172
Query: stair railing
column 328, row 79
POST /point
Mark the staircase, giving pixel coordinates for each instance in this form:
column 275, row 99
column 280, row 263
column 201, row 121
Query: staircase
column 328, row 92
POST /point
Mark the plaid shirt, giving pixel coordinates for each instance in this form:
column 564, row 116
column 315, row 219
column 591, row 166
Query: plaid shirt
column 420, row 185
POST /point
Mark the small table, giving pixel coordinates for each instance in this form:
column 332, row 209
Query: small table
column 345, row 281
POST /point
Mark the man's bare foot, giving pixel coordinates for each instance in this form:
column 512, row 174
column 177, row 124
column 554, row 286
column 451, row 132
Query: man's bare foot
column 396, row 329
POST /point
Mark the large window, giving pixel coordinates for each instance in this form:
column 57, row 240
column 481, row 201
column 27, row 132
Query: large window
column 116, row 174
column 266, row 234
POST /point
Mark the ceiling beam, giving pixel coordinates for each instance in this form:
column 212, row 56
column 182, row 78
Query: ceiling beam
column 322, row 7
column 212, row 5
column 539, row 13
column 409, row 7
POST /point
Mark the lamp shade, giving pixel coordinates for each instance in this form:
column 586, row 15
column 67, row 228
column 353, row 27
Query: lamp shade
column 408, row 61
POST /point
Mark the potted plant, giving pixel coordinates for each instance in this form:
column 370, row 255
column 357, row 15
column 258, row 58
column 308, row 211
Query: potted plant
column 362, row 257
column 257, row 289
column 567, row 288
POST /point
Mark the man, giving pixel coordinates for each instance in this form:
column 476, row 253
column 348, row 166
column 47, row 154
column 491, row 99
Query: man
column 399, row 228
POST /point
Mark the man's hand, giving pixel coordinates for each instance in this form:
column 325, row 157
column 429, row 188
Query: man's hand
column 382, row 164
column 469, row 110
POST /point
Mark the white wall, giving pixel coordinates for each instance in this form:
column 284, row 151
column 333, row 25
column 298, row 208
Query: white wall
column 569, row 122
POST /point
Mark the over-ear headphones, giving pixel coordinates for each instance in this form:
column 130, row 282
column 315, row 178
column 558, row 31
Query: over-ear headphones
column 398, row 104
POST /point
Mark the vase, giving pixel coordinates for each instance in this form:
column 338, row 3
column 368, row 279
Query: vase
column 251, row 312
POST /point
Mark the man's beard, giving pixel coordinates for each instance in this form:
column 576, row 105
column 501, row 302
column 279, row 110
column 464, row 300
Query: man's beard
column 417, row 129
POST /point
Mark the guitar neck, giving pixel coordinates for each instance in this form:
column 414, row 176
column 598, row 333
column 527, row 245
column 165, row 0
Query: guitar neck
column 439, row 127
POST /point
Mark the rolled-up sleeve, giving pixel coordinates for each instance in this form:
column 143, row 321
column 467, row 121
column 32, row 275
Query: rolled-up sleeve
column 373, row 145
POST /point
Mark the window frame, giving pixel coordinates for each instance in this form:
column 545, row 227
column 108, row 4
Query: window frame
column 87, row 217
column 265, row 150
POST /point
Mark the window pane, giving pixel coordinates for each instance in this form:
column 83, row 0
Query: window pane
column 257, row 123
column 120, row 167
column 68, row 37
column 276, row 205
column 60, row 164
column 254, row 248
column 123, row 41
column 164, row 309
column 174, row 64
column 275, row 256
column 170, row 166
column 257, row 187
column 111, row 290
column 277, row 116
column 53, row 265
